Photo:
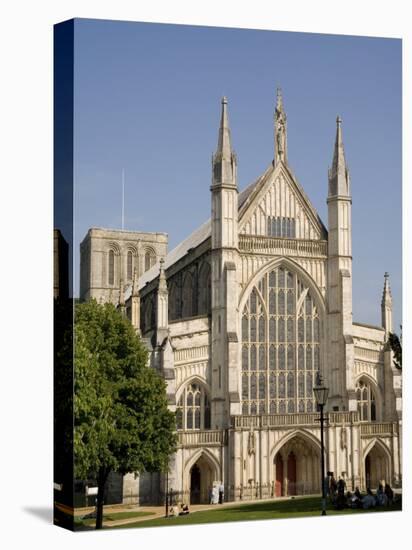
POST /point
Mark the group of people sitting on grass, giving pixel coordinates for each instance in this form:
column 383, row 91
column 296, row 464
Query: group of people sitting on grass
column 174, row 510
column 341, row 498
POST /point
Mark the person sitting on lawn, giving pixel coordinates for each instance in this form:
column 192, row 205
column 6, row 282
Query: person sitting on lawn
column 381, row 498
column 358, row 496
column 173, row 512
column 184, row 509
column 368, row 500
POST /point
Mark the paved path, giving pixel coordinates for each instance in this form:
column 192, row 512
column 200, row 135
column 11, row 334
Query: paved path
column 159, row 511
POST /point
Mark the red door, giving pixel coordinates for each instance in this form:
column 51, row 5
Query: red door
column 291, row 474
column 279, row 476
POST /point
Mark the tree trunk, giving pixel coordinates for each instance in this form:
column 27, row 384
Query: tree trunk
column 101, row 483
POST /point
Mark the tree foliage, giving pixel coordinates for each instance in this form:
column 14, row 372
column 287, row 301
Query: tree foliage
column 396, row 346
column 122, row 422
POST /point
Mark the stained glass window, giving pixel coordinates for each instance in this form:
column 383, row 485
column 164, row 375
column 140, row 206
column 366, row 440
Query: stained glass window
column 366, row 401
column 193, row 408
column 280, row 344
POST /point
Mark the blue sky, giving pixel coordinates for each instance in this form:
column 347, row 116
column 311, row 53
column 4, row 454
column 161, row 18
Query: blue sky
column 147, row 100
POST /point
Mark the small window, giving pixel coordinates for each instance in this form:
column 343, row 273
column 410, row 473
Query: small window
column 129, row 269
column 111, row 267
column 149, row 260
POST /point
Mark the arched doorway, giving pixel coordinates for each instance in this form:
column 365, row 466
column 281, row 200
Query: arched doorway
column 195, row 484
column 292, row 473
column 377, row 467
column 297, row 468
column 202, row 475
column 279, row 475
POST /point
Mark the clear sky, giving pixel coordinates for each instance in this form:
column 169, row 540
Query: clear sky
column 147, row 100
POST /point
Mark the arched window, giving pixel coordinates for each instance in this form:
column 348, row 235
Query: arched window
column 193, row 409
column 174, row 301
column 111, row 268
column 280, row 345
column 129, row 265
column 366, row 402
column 149, row 259
column 187, row 296
column 204, row 306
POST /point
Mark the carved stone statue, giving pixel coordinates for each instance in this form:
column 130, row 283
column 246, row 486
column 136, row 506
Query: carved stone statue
column 343, row 438
column 251, row 443
column 280, row 134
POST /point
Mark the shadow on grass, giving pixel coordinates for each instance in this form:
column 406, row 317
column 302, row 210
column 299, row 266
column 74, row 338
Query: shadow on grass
column 299, row 507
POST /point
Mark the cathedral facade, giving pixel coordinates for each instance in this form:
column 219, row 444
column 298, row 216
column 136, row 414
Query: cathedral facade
column 240, row 319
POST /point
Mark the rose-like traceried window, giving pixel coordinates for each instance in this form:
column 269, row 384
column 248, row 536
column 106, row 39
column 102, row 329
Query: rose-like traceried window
column 280, row 346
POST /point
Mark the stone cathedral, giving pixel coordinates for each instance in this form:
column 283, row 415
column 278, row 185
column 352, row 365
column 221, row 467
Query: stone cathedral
column 239, row 319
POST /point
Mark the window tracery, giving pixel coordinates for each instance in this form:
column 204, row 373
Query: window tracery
column 366, row 401
column 193, row 408
column 280, row 346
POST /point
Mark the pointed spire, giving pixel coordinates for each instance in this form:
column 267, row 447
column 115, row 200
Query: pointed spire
column 387, row 294
column 224, row 160
column 280, row 129
column 386, row 304
column 135, row 287
column 224, row 146
column 279, row 100
column 339, row 182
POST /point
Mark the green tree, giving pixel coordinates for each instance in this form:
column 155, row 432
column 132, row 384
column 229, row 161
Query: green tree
column 396, row 346
column 122, row 422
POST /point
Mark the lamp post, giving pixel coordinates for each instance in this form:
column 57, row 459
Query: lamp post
column 321, row 396
column 167, row 491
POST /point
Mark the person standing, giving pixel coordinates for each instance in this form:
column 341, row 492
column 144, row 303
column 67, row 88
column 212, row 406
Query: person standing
column 221, row 493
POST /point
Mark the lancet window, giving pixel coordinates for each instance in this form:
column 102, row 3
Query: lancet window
column 366, row 401
column 129, row 265
column 149, row 259
column 193, row 409
column 280, row 346
column 111, row 267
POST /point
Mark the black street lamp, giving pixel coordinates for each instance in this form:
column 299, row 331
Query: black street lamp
column 167, row 491
column 321, row 396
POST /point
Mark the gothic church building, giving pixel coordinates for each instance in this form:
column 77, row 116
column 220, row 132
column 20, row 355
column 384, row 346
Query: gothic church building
column 239, row 319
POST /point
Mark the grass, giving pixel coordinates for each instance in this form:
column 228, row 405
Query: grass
column 113, row 516
column 297, row 507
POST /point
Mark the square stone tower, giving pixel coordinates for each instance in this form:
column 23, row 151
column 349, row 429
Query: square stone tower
column 108, row 257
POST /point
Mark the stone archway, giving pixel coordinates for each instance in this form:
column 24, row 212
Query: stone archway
column 201, row 475
column 297, row 467
column 377, row 466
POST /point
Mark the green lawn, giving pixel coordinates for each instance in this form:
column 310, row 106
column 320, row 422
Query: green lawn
column 298, row 507
column 91, row 522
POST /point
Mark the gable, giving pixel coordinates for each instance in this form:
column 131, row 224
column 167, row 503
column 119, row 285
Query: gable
column 276, row 206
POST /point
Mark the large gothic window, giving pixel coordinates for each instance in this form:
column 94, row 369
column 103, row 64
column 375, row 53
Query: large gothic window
column 280, row 346
column 366, row 401
column 193, row 409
